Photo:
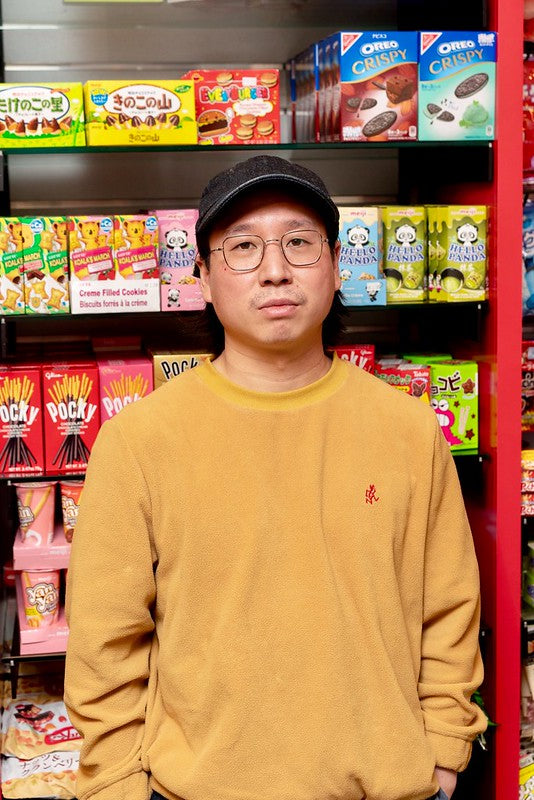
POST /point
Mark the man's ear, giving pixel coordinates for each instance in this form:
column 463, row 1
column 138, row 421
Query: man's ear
column 335, row 259
column 203, row 271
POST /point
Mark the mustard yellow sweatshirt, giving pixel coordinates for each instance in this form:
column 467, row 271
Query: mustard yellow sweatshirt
column 272, row 597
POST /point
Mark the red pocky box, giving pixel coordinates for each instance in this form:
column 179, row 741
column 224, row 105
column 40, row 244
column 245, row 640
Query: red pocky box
column 237, row 106
column 71, row 417
column 21, row 421
column 363, row 355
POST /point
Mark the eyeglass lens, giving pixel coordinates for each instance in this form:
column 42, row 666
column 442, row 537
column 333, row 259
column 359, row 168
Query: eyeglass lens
column 245, row 252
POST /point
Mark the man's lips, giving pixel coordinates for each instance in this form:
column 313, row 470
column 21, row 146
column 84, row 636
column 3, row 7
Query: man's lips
column 281, row 301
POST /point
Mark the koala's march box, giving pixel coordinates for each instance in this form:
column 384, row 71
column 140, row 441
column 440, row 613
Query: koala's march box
column 41, row 115
column 140, row 113
column 360, row 262
column 11, row 266
column 46, row 265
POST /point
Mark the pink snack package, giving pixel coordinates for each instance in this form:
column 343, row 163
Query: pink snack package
column 35, row 503
column 41, row 597
column 123, row 381
column 180, row 289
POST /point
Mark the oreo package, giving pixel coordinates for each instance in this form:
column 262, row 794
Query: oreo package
column 457, row 85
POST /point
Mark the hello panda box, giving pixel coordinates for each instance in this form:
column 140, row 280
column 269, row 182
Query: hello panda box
column 179, row 288
column 360, row 262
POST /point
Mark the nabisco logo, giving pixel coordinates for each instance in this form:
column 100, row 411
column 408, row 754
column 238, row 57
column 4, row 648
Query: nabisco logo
column 427, row 40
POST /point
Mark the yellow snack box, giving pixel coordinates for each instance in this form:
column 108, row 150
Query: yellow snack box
column 11, row 266
column 140, row 113
column 41, row 115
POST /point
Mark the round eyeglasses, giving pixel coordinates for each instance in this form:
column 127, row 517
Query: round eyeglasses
column 244, row 252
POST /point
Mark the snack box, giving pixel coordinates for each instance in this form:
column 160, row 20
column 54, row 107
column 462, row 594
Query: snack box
column 46, row 265
column 405, row 253
column 168, row 364
column 304, row 86
column 179, row 288
column 140, row 112
column 11, row 266
column 369, row 83
column 237, row 106
column 528, row 257
column 123, row 381
column 71, row 416
column 454, row 398
column 91, row 263
column 457, row 85
column 527, row 386
column 21, row 421
column 363, row 355
column 457, row 253
column 413, row 379
column 360, row 261
column 41, row 115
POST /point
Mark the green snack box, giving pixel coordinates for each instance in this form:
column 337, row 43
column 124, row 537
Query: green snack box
column 405, row 261
column 41, row 115
column 11, row 266
column 458, row 247
column 454, row 398
column 46, row 265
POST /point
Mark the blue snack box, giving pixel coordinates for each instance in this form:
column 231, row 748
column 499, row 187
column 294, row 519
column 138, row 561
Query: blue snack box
column 360, row 261
column 457, row 85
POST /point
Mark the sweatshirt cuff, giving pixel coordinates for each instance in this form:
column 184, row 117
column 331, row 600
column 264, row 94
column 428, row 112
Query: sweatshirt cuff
column 450, row 751
column 134, row 786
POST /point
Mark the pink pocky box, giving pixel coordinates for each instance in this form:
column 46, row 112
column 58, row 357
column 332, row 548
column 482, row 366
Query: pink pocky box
column 123, row 381
column 180, row 289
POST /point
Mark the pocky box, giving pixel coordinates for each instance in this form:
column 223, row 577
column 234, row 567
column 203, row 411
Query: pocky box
column 370, row 86
column 71, row 415
column 237, row 106
column 46, row 265
column 180, row 289
column 168, row 364
column 457, row 253
column 41, row 115
column 360, row 261
column 413, row 379
column 123, row 381
column 457, row 85
column 11, row 266
column 405, row 253
column 21, row 421
column 363, row 355
column 91, row 261
column 143, row 113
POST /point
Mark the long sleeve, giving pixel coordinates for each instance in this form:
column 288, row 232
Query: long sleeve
column 111, row 591
column 451, row 665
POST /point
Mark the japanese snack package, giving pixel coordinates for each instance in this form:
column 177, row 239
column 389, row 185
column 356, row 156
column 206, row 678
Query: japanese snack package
column 140, row 113
column 168, row 364
column 49, row 775
column 305, row 94
column 527, row 386
column 360, row 260
column 237, row 106
column 528, row 257
column 35, row 503
column 363, row 355
column 21, row 421
column 11, row 266
column 413, row 379
column 41, row 597
column 135, row 244
column 46, row 265
column 123, row 381
column 458, row 250
column 36, row 724
column 180, row 289
column 71, row 492
column 41, row 115
column 72, row 419
column 405, row 253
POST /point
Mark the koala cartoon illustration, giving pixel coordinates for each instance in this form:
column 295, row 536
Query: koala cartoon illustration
column 358, row 236
column 467, row 233
column 406, row 234
column 176, row 239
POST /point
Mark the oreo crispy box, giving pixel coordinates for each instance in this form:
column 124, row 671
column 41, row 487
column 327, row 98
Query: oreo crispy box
column 375, row 95
column 457, row 85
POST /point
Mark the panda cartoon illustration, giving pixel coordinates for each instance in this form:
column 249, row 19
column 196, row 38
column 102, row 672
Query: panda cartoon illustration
column 173, row 298
column 176, row 239
column 165, row 278
column 373, row 288
column 406, row 234
column 467, row 233
column 345, row 274
column 358, row 236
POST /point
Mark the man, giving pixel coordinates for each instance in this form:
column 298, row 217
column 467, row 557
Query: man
column 273, row 593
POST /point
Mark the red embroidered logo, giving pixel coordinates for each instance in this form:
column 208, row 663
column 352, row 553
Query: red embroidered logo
column 370, row 495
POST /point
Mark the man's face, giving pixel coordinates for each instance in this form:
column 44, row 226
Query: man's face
column 277, row 306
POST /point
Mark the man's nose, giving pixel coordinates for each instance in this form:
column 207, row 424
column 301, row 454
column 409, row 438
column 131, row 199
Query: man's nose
column 274, row 267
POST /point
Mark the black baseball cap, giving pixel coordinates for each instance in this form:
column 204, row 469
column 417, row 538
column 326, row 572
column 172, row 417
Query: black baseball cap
column 269, row 172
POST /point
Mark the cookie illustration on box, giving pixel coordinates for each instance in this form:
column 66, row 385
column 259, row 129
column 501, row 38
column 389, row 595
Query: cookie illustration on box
column 457, row 85
column 369, row 92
